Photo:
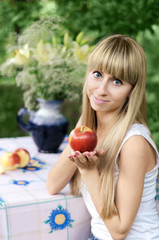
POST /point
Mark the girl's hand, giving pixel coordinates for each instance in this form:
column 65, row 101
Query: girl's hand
column 86, row 160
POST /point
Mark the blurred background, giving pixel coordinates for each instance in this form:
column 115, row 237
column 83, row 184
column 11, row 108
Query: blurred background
column 97, row 19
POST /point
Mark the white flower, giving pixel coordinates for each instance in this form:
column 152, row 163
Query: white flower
column 81, row 52
column 22, row 55
column 10, row 61
column 43, row 52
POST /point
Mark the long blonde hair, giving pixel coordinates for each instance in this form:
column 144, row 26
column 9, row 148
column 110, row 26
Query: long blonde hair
column 122, row 57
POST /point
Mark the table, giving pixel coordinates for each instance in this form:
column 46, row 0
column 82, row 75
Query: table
column 27, row 211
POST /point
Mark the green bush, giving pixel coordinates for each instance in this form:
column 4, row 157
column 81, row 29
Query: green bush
column 11, row 102
column 150, row 44
column 153, row 110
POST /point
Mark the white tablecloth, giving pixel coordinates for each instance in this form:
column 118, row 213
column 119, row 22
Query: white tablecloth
column 27, row 211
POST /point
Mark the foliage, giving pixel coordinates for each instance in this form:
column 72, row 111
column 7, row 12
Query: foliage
column 108, row 17
column 15, row 15
column 150, row 45
column 11, row 101
column 45, row 66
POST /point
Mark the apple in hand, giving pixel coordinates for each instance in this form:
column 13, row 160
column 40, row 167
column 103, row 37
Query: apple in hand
column 24, row 156
column 82, row 139
column 9, row 161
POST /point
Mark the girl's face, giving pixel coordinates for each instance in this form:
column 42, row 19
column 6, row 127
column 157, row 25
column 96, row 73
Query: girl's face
column 105, row 92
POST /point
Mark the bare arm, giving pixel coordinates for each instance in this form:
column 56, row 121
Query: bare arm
column 62, row 172
column 136, row 158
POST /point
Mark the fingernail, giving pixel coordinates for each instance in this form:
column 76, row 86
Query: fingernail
column 88, row 154
column 94, row 152
column 102, row 151
column 77, row 153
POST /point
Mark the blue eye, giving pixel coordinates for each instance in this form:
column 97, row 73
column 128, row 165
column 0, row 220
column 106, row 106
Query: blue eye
column 97, row 74
column 117, row 81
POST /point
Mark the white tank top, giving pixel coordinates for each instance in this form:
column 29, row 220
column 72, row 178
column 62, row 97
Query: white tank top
column 146, row 224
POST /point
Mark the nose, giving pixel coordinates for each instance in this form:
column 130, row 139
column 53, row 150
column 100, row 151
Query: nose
column 103, row 87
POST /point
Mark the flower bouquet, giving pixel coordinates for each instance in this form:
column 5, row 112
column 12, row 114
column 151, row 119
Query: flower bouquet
column 47, row 62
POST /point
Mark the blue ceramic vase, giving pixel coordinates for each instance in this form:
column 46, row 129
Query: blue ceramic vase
column 47, row 126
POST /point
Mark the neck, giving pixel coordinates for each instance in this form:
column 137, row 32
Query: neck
column 104, row 119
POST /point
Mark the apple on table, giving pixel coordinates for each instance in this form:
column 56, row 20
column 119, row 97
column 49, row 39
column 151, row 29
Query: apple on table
column 9, row 161
column 24, row 157
column 19, row 158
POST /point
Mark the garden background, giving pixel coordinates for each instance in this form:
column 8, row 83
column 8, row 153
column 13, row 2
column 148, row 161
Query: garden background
column 96, row 18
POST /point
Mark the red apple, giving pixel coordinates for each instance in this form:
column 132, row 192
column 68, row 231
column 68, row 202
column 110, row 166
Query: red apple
column 24, row 156
column 10, row 161
column 82, row 139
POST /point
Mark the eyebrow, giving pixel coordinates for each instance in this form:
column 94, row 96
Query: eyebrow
column 117, row 78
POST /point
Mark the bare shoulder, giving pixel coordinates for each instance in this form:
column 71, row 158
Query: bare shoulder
column 138, row 151
column 136, row 142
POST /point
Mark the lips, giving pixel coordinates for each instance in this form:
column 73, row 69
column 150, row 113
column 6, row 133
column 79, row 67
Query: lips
column 99, row 100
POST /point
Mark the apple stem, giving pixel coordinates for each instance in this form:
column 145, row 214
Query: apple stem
column 82, row 128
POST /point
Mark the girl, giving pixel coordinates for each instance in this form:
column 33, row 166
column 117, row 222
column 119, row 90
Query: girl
column 118, row 179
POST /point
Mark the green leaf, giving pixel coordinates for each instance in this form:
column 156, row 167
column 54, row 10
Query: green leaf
column 79, row 37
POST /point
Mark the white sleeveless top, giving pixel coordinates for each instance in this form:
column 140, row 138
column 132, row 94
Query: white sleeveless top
column 146, row 224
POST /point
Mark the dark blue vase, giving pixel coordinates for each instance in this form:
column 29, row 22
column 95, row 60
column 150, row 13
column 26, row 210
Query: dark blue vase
column 47, row 126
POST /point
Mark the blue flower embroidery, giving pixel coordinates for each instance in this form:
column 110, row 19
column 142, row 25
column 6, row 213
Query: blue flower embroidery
column 2, row 149
column 59, row 219
column 31, row 168
column 35, row 161
column 34, row 165
column 21, row 182
column 1, row 201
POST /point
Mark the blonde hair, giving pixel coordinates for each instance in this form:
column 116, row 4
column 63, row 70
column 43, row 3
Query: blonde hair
column 122, row 57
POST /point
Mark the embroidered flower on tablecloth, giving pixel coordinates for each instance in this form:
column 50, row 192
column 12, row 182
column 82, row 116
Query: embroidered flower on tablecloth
column 31, row 169
column 2, row 149
column 34, row 165
column 1, row 201
column 36, row 162
column 21, row 182
column 59, row 219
